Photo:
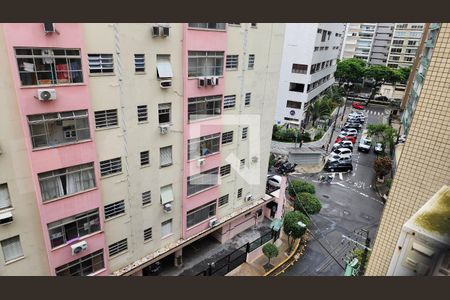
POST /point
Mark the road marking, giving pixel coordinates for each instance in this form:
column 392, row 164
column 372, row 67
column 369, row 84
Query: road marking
column 340, row 176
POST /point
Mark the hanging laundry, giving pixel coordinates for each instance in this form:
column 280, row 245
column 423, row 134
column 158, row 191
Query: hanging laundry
column 29, row 67
column 62, row 72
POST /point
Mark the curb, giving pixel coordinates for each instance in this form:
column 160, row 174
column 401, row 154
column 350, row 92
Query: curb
column 284, row 261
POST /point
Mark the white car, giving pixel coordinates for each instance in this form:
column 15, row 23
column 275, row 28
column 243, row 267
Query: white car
column 274, row 180
column 343, row 144
column 340, row 153
column 364, row 144
column 378, row 148
column 350, row 130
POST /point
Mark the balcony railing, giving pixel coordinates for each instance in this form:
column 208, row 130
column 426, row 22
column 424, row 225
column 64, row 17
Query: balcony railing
column 435, row 26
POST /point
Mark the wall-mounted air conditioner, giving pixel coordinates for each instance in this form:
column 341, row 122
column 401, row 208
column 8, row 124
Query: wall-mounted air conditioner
column 212, row 222
column 167, row 207
column 201, row 82
column 248, row 197
column 46, row 94
column 155, row 31
column 49, row 27
column 6, row 218
column 78, row 247
column 164, row 129
column 158, row 30
column 165, row 31
column 214, row 81
column 165, row 84
column 200, row 162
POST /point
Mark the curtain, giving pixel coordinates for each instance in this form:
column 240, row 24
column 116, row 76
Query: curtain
column 73, row 180
column 12, row 248
column 88, row 179
column 51, row 188
column 4, row 196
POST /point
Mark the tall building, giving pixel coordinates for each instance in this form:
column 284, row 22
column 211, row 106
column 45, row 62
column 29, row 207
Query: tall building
column 381, row 44
column 310, row 53
column 120, row 144
column 423, row 168
column 405, row 41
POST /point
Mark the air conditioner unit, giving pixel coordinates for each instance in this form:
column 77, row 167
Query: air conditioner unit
column 165, row 31
column 215, row 81
column 49, row 27
column 6, row 218
column 249, row 197
column 78, row 247
column 155, row 31
column 47, row 94
column 255, row 159
column 164, row 129
column 200, row 162
column 201, row 82
column 209, row 81
column 212, row 222
column 165, row 84
column 167, row 207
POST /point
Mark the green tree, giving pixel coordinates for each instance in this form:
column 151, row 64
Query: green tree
column 379, row 74
column 404, row 74
column 383, row 132
column 271, row 160
column 300, row 186
column 350, row 70
column 270, row 251
column 292, row 228
column 320, row 108
column 306, row 202
column 382, row 166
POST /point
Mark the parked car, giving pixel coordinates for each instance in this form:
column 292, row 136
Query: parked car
column 382, row 98
column 378, row 148
column 357, row 105
column 350, row 130
column 352, row 139
column 359, row 119
column 274, row 180
column 345, row 134
column 340, row 154
column 338, row 167
column 339, row 158
column 343, row 151
column 402, row 139
column 364, row 145
column 355, row 125
column 343, row 144
column 285, row 168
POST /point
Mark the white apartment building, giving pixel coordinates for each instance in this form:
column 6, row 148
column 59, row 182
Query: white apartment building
column 405, row 42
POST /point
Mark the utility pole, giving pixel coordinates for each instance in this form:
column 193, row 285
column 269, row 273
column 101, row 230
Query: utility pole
column 366, row 251
column 334, row 126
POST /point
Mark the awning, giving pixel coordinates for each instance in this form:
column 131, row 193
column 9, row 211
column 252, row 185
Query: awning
column 164, row 68
column 166, row 194
column 276, row 224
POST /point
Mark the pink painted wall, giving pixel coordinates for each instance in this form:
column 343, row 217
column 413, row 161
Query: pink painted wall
column 199, row 40
column 69, row 97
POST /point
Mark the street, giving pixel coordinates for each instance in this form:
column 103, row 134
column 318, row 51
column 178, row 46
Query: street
column 349, row 203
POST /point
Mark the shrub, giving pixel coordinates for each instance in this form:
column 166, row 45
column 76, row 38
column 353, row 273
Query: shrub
column 291, row 226
column 300, row 186
column 306, row 202
column 270, row 251
column 382, row 166
column 319, row 135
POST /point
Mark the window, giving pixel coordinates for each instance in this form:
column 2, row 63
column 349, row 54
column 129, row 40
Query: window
column 118, row 247
column 324, row 35
column 247, row 99
column 394, row 66
column 61, row 128
column 395, row 57
column 84, row 266
column 5, row 200
column 165, row 156
column 409, row 59
column 232, row 62
column 227, row 137
column 251, row 61
column 111, row 166
column 145, row 158
column 204, row 107
column 225, row 170
column 66, row 181
column 148, row 234
column 164, row 113
column 411, row 51
column 166, row 194
column 299, row 69
column 106, row 118
column 12, row 249
column 163, row 66
column 316, row 49
column 239, row 193
column 114, row 209
column 166, row 228
column 202, row 181
column 412, row 43
column 40, row 66
column 244, row 133
column 319, row 30
column 253, row 25
column 229, row 101
column 205, row 63
column 139, row 63
column 142, row 113
column 402, row 26
column 74, row 227
column 146, row 197
column 217, row 26
column 203, row 146
column 396, row 50
column 397, row 42
column 223, row 200
column 297, row 87
column 242, row 163
column 294, row 104
column 236, row 24
column 200, row 214
column 100, row 63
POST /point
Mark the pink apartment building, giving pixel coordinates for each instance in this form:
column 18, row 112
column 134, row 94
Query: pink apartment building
column 120, row 144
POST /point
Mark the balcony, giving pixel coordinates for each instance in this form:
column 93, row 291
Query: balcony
column 435, row 26
column 425, row 62
column 430, row 43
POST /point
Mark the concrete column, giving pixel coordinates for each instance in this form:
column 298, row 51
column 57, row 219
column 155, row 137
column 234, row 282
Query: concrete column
column 178, row 258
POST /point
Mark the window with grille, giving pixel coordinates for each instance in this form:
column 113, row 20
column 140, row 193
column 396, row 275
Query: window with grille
column 223, row 200
column 232, row 62
column 44, row 66
column 148, row 234
column 118, row 247
column 106, row 118
column 111, row 166
column 145, row 158
column 227, row 137
column 101, row 63
column 203, row 146
column 239, row 193
column 12, row 249
column 204, row 107
column 217, row 26
column 205, row 63
column 225, row 170
column 244, row 132
column 200, row 214
column 142, row 113
column 114, row 209
column 164, row 113
column 139, row 63
column 204, row 180
column 229, row 101
column 247, row 99
column 74, row 227
column 66, row 181
column 5, row 200
column 242, row 163
column 146, row 197
column 165, row 156
column 166, row 228
column 84, row 266
column 251, row 61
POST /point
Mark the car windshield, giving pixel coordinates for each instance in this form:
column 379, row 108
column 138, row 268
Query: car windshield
column 367, row 142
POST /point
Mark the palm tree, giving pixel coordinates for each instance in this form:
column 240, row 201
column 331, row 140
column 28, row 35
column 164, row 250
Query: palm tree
column 319, row 108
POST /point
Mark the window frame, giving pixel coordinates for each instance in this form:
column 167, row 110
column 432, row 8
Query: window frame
column 201, row 58
column 165, row 109
column 206, row 26
column 118, row 247
column 69, row 266
column 251, row 62
column 170, row 221
column 114, row 169
column 19, row 247
column 225, row 170
column 244, row 133
column 160, row 156
column 111, row 118
column 146, row 198
column 7, row 200
column 142, row 113
column 213, row 139
column 247, row 99
column 232, row 62
column 224, row 140
column 229, row 102
column 148, row 234
column 103, row 59
column 221, row 202
column 144, row 158
column 203, row 102
column 114, row 209
column 198, row 214
column 139, row 63
column 204, row 178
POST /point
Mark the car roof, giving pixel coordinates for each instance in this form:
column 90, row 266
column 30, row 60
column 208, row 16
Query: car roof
column 276, row 177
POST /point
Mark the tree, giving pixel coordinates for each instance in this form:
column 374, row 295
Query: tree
column 318, row 109
column 306, row 202
column 384, row 131
column 292, row 228
column 404, row 74
column 350, row 70
column 300, row 186
column 379, row 74
column 270, row 251
column 382, row 166
column 271, row 160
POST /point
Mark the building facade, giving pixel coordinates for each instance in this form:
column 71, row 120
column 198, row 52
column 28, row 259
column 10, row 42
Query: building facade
column 405, row 42
column 122, row 143
column 310, row 54
column 418, row 176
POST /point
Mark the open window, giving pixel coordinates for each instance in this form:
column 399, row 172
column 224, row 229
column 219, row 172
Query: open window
column 163, row 67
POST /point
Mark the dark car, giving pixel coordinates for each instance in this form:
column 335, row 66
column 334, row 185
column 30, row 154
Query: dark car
column 338, row 166
column 286, row 168
column 381, row 98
